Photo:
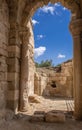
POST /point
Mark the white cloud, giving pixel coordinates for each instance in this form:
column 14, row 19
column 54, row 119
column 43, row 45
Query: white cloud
column 47, row 9
column 57, row 4
column 61, row 56
column 40, row 36
column 39, row 51
column 64, row 8
column 34, row 22
column 52, row 9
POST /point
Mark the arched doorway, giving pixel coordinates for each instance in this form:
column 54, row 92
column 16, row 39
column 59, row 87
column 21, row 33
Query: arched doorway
column 25, row 14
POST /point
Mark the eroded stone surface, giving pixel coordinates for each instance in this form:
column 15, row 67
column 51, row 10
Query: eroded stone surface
column 55, row 117
column 4, row 31
column 56, row 81
column 14, row 16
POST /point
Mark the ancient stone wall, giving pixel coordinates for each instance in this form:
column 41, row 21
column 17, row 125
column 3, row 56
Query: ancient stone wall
column 18, row 14
column 4, row 35
column 56, row 81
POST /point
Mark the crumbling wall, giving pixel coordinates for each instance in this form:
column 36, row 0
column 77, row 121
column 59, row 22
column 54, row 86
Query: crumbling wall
column 56, row 81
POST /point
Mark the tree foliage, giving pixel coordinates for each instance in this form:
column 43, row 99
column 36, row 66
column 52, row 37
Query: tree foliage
column 46, row 63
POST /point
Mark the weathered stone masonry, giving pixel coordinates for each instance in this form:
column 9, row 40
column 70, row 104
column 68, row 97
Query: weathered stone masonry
column 14, row 16
column 55, row 81
column 4, row 34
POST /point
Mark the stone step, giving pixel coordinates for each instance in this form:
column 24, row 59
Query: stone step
column 55, row 117
column 50, row 117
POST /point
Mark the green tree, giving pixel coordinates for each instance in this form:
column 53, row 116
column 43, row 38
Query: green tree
column 36, row 64
column 46, row 63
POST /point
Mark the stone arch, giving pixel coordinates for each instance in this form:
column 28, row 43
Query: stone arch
column 30, row 9
column 75, row 27
column 20, row 13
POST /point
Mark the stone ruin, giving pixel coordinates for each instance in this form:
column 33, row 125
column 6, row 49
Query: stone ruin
column 17, row 50
column 55, row 81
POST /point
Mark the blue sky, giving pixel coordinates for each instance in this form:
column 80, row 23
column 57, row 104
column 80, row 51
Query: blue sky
column 53, row 39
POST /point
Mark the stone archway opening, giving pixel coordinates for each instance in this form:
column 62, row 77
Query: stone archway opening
column 54, row 73
column 53, row 85
column 27, row 78
column 17, row 50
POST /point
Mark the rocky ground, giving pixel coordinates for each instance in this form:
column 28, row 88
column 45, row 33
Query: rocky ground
column 21, row 121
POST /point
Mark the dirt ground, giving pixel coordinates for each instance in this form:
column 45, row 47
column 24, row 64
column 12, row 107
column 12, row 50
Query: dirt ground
column 22, row 124
column 21, row 120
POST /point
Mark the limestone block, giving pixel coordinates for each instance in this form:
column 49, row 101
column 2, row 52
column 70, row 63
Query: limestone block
column 11, row 61
column 4, row 38
column 3, row 52
column 4, row 13
column 3, row 67
column 3, row 76
column 3, row 85
column 3, row 59
column 14, row 41
column 13, row 65
column 14, row 51
column 11, row 95
column 14, row 68
column 14, row 54
column 13, row 76
column 3, row 90
column 3, row 45
column 3, row 41
column 13, row 85
column 55, row 117
column 3, row 29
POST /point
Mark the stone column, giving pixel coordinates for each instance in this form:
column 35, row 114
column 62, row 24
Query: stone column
column 13, row 62
column 13, row 59
column 27, row 67
column 76, row 29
